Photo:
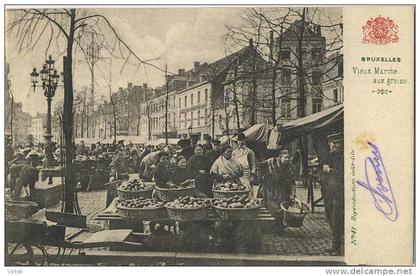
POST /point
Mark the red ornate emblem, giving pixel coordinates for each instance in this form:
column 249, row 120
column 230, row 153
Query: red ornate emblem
column 380, row 31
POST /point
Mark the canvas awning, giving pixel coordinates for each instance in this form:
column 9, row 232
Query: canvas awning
column 256, row 133
column 323, row 119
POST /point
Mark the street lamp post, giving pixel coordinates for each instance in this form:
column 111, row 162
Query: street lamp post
column 49, row 83
column 190, row 131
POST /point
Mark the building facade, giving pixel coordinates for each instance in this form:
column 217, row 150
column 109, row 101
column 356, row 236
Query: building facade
column 38, row 127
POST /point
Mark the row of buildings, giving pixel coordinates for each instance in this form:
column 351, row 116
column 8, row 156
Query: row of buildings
column 231, row 94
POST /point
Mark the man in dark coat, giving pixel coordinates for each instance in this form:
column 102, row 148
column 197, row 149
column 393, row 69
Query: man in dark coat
column 207, row 143
column 186, row 150
column 82, row 149
column 118, row 167
column 199, row 168
column 214, row 152
column 333, row 179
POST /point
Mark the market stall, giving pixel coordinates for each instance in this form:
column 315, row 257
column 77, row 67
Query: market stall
column 178, row 208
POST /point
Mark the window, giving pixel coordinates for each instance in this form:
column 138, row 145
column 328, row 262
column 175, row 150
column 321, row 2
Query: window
column 206, row 95
column 316, row 53
column 192, row 118
column 316, row 105
column 192, row 99
column 179, row 121
column 335, row 94
column 185, row 120
column 198, row 118
column 285, row 108
column 316, row 78
column 185, row 101
column 205, row 116
column 285, row 54
column 340, row 69
column 198, row 97
column 286, row 77
column 179, row 103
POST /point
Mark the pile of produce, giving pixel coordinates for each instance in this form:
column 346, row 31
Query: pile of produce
column 135, row 185
column 141, row 203
column 187, row 202
column 229, row 186
column 237, row 201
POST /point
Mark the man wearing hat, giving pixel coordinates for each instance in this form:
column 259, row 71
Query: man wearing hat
column 207, row 143
column 82, row 149
column 186, row 150
column 28, row 176
column 213, row 153
column 333, row 180
column 246, row 157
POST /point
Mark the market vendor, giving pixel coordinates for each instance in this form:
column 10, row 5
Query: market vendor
column 225, row 167
column 163, row 174
column 246, row 157
column 181, row 172
column 147, row 166
column 118, row 169
column 277, row 185
column 199, row 167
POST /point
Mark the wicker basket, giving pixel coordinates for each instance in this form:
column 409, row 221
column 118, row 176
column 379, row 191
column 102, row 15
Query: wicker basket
column 142, row 213
column 227, row 194
column 20, row 209
column 124, row 194
column 172, row 194
column 294, row 219
column 188, row 214
column 236, row 213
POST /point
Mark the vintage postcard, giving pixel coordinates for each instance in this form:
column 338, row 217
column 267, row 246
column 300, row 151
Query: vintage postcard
column 209, row 135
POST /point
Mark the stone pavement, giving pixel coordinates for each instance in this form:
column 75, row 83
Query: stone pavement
column 311, row 239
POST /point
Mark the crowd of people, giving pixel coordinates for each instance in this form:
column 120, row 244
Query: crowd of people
column 272, row 179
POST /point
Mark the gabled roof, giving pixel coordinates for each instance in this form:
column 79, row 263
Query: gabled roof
column 294, row 30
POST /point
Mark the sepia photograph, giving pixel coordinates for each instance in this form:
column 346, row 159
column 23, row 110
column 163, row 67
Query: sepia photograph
column 174, row 136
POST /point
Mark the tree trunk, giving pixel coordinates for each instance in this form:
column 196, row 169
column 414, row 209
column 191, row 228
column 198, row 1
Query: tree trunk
column 235, row 99
column 69, row 184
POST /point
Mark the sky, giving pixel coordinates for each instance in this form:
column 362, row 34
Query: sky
column 177, row 36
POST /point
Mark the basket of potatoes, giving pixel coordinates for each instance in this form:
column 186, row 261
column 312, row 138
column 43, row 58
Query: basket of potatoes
column 173, row 191
column 236, row 207
column 135, row 188
column 188, row 208
column 141, row 208
column 229, row 189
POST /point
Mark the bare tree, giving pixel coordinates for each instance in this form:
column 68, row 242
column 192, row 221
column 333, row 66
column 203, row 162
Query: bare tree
column 291, row 76
column 70, row 29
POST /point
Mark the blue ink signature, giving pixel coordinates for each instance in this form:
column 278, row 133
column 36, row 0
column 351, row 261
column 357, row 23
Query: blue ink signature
column 381, row 192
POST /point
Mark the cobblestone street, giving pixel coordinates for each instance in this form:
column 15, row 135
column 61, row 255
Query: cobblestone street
column 311, row 239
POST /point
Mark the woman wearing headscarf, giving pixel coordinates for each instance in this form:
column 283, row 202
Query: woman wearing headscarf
column 163, row 173
column 277, row 181
column 225, row 167
column 199, row 167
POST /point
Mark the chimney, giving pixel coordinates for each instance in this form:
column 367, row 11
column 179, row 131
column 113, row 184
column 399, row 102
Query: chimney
column 271, row 40
column 318, row 30
column 196, row 65
column 144, row 85
column 181, row 72
column 251, row 42
column 130, row 85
